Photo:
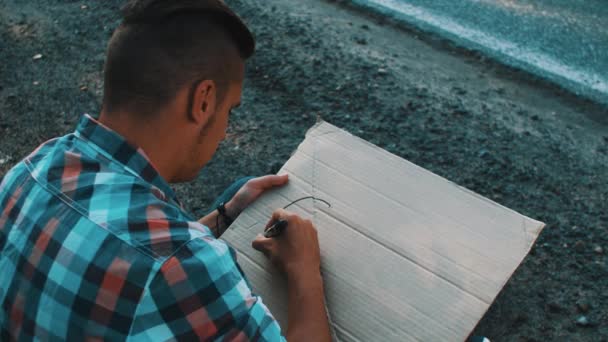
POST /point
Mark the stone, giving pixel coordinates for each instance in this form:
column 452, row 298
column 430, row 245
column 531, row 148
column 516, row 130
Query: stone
column 553, row 307
column 583, row 307
column 582, row 321
column 579, row 246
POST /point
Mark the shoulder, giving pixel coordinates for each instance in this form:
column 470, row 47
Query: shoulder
column 111, row 196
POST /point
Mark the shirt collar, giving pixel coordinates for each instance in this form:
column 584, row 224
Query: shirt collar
column 115, row 147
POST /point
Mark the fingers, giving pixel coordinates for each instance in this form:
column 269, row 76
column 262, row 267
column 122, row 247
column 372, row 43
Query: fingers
column 277, row 215
column 259, row 243
column 262, row 244
column 269, row 181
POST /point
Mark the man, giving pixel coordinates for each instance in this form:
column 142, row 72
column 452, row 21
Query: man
column 95, row 245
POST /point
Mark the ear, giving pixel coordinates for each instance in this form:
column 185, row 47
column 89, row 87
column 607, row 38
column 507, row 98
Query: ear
column 204, row 101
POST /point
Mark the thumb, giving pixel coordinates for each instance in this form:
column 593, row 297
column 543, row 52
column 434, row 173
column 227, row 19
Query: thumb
column 269, row 181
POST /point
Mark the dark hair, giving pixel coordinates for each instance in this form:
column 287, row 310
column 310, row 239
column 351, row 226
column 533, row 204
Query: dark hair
column 163, row 45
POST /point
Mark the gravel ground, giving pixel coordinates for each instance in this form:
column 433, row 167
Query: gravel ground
column 494, row 130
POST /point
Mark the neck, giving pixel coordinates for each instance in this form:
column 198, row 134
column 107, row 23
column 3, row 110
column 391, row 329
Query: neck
column 149, row 135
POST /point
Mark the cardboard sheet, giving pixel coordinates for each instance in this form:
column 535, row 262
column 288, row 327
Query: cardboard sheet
column 406, row 255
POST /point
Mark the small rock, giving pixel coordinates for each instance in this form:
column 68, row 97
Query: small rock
column 361, row 41
column 84, row 7
column 583, row 321
column 84, row 88
column 35, row 83
column 520, row 318
column 3, row 161
column 598, row 250
column 579, row 246
column 553, row 307
column 583, row 307
column 382, row 71
column 459, row 91
column 37, row 56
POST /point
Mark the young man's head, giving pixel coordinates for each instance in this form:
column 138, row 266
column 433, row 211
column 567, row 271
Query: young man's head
column 175, row 67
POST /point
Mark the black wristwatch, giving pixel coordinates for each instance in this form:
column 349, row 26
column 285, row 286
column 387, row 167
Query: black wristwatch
column 222, row 211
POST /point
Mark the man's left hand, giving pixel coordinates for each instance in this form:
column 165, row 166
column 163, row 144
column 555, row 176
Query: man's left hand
column 251, row 191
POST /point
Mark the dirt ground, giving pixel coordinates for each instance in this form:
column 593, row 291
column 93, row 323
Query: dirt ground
column 494, row 130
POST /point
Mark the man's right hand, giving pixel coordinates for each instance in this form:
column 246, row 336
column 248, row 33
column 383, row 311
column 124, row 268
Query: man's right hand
column 296, row 250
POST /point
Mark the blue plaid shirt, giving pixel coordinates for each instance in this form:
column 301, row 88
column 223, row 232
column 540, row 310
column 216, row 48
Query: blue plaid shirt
column 94, row 244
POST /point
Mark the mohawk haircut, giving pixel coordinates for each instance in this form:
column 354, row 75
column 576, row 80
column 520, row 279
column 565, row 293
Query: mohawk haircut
column 163, row 45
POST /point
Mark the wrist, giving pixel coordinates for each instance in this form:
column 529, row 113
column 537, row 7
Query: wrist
column 308, row 275
column 232, row 209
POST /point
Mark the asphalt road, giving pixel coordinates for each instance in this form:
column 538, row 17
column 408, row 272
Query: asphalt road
column 565, row 41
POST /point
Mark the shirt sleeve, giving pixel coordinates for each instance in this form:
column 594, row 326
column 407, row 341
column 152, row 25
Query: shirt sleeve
column 199, row 293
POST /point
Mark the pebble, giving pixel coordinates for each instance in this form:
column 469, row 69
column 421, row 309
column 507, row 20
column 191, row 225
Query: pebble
column 382, row 71
column 361, row 41
column 35, row 83
column 84, row 88
column 84, row 7
column 483, row 153
column 37, row 56
column 598, row 250
column 583, row 307
column 579, row 246
column 582, row 321
column 553, row 307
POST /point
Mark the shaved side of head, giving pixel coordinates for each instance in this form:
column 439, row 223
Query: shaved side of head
column 158, row 51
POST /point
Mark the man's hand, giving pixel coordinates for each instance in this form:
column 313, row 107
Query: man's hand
column 296, row 250
column 251, row 191
column 248, row 193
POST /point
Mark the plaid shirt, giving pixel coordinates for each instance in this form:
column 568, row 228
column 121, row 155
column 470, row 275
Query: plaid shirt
column 94, row 244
